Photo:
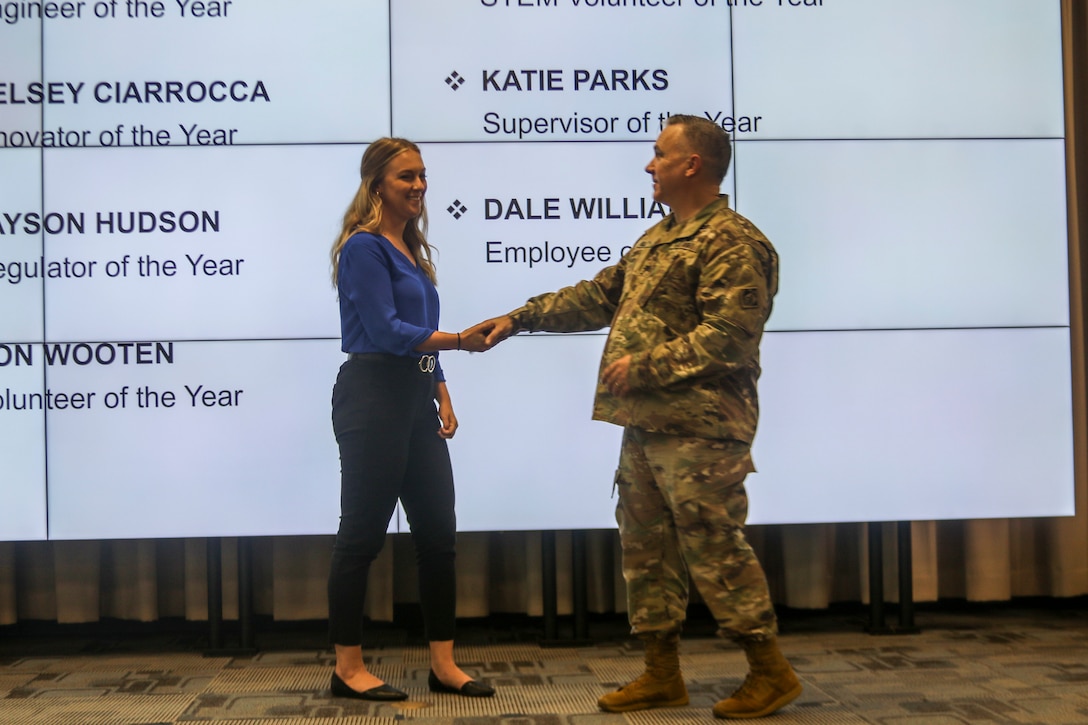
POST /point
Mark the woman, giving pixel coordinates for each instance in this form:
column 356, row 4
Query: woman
column 392, row 444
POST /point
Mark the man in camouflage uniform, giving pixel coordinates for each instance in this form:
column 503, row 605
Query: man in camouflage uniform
column 686, row 306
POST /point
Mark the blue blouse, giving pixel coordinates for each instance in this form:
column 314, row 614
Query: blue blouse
column 387, row 304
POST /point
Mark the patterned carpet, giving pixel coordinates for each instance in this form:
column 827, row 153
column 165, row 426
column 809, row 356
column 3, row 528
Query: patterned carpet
column 967, row 664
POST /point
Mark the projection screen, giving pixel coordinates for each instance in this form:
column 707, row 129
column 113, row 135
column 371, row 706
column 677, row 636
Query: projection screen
column 172, row 174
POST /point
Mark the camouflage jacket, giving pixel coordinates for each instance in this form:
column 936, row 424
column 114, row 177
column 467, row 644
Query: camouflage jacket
column 688, row 302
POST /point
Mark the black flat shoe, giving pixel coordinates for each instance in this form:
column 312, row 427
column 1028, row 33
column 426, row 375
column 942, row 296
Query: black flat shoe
column 472, row 688
column 381, row 693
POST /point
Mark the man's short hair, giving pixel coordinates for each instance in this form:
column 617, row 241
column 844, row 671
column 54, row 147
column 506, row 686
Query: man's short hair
column 707, row 139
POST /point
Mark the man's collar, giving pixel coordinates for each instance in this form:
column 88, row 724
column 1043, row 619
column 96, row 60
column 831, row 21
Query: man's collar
column 692, row 225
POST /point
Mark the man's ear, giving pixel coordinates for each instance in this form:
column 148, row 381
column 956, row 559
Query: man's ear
column 695, row 165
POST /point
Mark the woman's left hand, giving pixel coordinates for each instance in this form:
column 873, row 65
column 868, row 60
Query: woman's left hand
column 448, row 419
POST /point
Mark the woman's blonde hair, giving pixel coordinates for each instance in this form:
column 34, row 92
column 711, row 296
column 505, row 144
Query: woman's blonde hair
column 364, row 214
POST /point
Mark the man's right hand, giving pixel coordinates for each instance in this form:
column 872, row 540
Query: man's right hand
column 502, row 328
column 474, row 339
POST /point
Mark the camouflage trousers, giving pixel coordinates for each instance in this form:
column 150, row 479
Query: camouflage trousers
column 681, row 511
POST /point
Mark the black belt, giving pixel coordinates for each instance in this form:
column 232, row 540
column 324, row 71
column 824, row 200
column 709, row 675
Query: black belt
column 425, row 363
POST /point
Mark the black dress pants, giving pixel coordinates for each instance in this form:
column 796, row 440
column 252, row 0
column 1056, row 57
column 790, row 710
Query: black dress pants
column 386, row 426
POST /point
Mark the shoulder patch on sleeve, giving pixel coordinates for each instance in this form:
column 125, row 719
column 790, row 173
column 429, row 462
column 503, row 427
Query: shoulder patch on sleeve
column 749, row 298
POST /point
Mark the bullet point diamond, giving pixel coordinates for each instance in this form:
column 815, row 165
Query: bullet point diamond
column 457, row 209
column 454, row 80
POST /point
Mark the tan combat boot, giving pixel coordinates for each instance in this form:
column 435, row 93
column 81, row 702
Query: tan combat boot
column 661, row 685
column 770, row 685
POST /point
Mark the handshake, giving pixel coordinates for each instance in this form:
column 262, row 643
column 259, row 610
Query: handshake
column 485, row 335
